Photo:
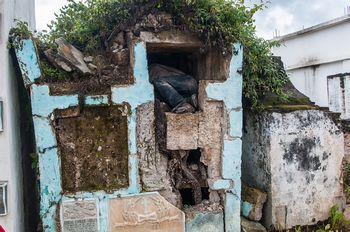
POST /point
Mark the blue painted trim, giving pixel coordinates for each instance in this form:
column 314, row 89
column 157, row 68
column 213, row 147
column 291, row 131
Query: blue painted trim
column 28, row 61
column 221, row 184
column 96, row 100
column 246, row 208
column 43, row 104
column 44, row 135
column 50, row 187
column 230, row 92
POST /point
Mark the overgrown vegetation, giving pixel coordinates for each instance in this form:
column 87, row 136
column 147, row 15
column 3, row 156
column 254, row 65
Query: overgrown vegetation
column 21, row 31
column 52, row 72
column 337, row 221
column 346, row 179
column 90, row 25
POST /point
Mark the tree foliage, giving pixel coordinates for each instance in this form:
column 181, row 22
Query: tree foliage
column 220, row 23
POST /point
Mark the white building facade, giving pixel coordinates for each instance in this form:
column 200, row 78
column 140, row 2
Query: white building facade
column 10, row 146
column 312, row 55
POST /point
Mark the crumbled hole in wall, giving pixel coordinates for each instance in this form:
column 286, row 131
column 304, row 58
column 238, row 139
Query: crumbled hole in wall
column 205, row 193
column 195, row 178
column 194, row 157
column 189, row 175
column 188, row 198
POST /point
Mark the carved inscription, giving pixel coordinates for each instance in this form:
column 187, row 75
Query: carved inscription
column 79, row 216
column 144, row 213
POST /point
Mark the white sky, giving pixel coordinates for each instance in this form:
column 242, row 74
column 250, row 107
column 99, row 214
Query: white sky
column 284, row 15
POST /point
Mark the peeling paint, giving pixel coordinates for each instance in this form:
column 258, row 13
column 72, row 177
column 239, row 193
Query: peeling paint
column 44, row 135
column 220, row 184
column 43, row 104
column 28, row 61
column 230, row 92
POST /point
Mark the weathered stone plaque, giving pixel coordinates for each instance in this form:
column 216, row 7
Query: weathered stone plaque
column 79, row 216
column 94, row 149
column 144, row 213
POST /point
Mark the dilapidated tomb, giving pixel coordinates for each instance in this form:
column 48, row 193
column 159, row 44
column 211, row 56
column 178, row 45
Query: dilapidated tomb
column 112, row 157
column 294, row 153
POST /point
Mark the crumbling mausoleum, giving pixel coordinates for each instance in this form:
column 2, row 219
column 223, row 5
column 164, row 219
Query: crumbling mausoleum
column 112, row 157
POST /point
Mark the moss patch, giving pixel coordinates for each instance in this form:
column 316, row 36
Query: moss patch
column 94, row 150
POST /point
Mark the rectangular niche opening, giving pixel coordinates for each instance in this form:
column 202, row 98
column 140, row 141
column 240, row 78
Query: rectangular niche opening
column 93, row 147
column 183, row 59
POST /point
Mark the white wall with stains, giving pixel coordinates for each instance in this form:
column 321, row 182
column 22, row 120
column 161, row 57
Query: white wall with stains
column 10, row 147
column 296, row 157
column 313, row 54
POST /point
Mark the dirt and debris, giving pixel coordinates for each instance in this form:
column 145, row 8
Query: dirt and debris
column 257, row 199
column 189, row 176
column 205, row 206
column 96, row 71
column 72, row 56
column 90, row 74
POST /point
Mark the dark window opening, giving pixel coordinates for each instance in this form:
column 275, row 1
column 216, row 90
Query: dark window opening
column 186, row 61
column 194, row 157
column 187, row 196
column 205, row 193
column 180, row 95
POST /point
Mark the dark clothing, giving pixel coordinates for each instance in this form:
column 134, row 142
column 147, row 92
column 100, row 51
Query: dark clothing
column 159, row 70
column 172, row 85
column 175, row 89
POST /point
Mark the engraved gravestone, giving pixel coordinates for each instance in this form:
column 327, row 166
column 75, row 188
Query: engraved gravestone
column 144, row 213
column 78, row 216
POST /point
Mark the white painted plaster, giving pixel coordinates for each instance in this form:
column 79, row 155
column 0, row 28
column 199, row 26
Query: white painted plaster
column 339, row 95
column 296, row 157
column 10, row 157
column 313, row 54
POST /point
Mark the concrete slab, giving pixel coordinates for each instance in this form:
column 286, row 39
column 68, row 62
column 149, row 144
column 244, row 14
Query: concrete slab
column 144, row 213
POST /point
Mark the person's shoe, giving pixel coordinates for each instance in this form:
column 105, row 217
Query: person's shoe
column 183, row 108
column 193, row 100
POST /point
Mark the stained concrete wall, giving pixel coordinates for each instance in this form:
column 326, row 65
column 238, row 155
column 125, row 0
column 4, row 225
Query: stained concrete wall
column 296, row 157
column 10, row 159
column 313, row 54
column 339, row 94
